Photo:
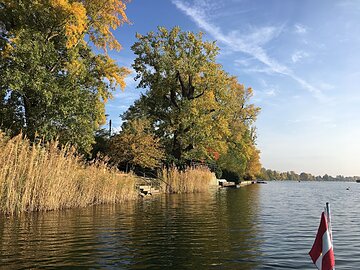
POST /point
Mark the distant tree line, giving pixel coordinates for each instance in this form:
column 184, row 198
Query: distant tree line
column 267, row 174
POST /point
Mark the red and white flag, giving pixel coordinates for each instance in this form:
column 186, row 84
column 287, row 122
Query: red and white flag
column 322, row 253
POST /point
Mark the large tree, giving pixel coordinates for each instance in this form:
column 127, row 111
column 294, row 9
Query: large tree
column 197, row 110
column 51, row 82
column 182, row 79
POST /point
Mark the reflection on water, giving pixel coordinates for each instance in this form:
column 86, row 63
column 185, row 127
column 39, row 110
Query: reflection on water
column 257, row 227
column 197, row 231
column 81, row 237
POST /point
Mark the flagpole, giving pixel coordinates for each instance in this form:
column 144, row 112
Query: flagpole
column 322, row 252
column 328, row 217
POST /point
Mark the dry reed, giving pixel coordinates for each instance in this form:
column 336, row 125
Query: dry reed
column 191, row 180
column 35, row 177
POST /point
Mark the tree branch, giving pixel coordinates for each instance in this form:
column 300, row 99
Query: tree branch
column 183, row 88
column 173, row 98
column 189, row 147
column 199, row 95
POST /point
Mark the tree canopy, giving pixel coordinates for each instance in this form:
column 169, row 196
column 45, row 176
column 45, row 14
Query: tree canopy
column 196, row 109
column 178, row 69
column 52, row 84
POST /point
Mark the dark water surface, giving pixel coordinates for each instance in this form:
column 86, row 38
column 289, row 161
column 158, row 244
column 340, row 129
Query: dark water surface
column 256, row 227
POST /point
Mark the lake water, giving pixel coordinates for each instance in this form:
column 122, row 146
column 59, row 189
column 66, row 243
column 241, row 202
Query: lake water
column 256, row 227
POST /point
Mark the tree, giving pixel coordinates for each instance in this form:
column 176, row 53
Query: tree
column 135, row 145
column 101, row 145
column 192, row 104
column 182, row 78
column 242, row 157
column 51, row 82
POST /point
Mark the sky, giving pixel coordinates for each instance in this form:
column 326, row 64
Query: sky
column 302, row 59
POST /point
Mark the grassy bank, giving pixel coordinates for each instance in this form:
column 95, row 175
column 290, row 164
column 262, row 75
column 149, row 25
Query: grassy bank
column 191, row 180
column 35, row 177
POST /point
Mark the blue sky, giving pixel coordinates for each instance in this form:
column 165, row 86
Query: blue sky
column 300, row 57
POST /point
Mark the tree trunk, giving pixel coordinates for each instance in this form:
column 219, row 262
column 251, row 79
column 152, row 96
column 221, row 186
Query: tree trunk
column 176, row 148
column 30, row 124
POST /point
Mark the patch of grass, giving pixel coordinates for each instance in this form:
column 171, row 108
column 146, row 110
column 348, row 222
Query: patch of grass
column 191, row 180
column 37, row 177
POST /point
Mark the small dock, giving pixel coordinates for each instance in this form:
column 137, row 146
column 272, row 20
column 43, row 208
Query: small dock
column 145, row 190
column 147, row 186
column 246, row 183
column 224, row 183
column 228, row 184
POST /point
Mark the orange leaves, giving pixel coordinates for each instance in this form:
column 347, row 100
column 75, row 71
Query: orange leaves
column 97, row 18
column 76, row 25
column 215, row 154
column 76, row 20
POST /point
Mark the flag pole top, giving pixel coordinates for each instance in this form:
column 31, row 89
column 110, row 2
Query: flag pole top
column 328, row 219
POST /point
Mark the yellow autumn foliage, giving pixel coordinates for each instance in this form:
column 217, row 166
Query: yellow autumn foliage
column 136, row 146
column 76, row 20
column 104, row 16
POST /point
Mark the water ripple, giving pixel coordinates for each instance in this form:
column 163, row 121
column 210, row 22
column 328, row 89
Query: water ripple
column 258, row 227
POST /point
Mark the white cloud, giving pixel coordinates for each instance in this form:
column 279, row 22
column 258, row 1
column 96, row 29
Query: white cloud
column 300, row 29
column 298, row 55
column 261, row 36
column 263, row 83
column 271, row 92
column 266, row 91
column 324, row 121
column 326, row 86
column 265, row 70
column 117, row 107
column 250, row 44
column 243, row 62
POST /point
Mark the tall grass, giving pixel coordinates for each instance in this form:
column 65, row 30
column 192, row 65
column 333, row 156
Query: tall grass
column 191, row 180
column 35, row 177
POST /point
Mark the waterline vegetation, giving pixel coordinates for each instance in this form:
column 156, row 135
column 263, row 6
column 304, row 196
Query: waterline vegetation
column 190, row 180
column 45, row 176
column 35, row 177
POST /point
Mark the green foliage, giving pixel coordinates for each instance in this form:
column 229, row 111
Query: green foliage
column 51, row 83
column 196, row 109
column 101, row 146
column 135, row 145
column 181, row 75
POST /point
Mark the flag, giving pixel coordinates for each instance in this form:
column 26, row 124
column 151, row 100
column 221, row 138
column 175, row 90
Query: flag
column 322, row 253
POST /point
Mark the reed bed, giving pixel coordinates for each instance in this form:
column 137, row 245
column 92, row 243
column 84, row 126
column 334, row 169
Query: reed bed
column 191, row 180
column 37, row 177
